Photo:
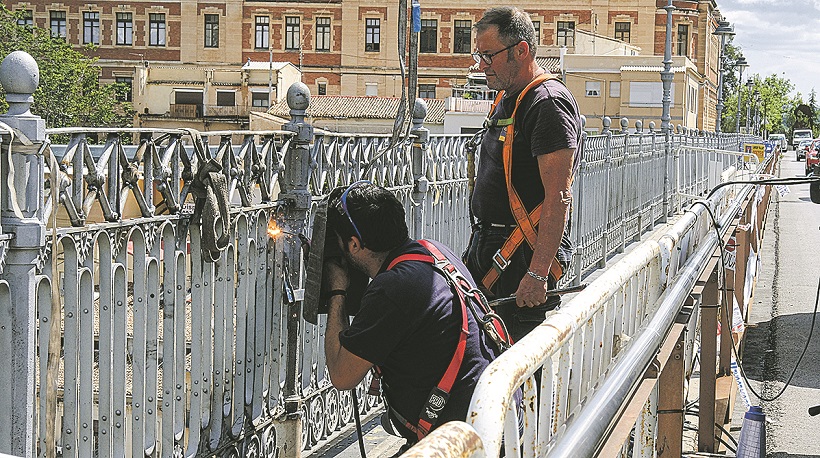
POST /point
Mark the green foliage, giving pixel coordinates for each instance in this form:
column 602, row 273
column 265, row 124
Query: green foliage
column 774, row 105
column 70, row 94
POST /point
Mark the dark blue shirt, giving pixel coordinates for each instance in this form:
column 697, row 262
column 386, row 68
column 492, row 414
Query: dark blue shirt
column 409, row 325
column 547, row 120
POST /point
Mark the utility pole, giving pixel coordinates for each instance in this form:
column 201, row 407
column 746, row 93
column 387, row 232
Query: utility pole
column 740, row 64
column 723, row 30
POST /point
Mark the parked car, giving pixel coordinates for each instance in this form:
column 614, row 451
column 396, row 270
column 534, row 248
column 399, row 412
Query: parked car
column 801, row 134
column 800, row 149
column 780, row 139
column 812, row 152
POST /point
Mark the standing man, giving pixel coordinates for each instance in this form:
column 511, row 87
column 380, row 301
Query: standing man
column 411, row 324
column 520, row 243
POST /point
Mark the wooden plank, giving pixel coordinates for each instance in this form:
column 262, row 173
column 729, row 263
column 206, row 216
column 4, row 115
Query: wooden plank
column 708, row 353
column 623, row 428
column 671, row 401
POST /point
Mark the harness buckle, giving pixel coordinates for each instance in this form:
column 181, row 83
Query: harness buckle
column 499, row 263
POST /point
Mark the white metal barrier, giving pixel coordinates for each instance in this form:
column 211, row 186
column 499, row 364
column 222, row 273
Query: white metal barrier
column 591, row 338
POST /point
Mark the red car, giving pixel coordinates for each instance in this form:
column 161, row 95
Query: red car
column 812, row 155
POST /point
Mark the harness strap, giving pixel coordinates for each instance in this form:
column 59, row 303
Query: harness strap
column 526, row 222
column 441, row 392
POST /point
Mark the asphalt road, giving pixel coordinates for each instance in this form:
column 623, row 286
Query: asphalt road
column 781, row 321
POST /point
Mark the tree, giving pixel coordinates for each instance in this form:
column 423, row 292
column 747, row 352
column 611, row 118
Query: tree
column 70, row 94
column 728, row 119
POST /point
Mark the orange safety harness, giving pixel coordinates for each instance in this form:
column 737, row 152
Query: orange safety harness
column 525, row 223
column 490, row 322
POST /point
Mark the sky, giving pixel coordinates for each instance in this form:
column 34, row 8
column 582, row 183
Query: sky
column 778, row 36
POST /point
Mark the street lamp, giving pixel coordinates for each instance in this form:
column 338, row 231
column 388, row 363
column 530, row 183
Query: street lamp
column 666, row 116
column 740, row 63
column 749, row 85
column 756, row 97
column 723, row 30
column 666, row 75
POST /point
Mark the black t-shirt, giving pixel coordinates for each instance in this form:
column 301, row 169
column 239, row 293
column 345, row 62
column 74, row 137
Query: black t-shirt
column 408, row 325
column 547, row 120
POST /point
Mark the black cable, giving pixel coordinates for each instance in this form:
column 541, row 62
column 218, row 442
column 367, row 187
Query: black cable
column 691, row 410
column 716, row 225
column 720, row 439
column 767, row 181
column 357, row 418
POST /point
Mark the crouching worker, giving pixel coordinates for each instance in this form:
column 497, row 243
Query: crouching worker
column 410, row 325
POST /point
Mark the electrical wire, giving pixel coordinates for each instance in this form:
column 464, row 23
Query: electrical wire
column 716, row 226
column 357, row 418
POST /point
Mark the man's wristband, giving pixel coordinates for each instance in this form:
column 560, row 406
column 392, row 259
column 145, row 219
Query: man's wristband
column 336, row 292
column 537, row 277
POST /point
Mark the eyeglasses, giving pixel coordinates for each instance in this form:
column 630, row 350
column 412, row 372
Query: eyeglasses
column 488, row 58
column 343, row 201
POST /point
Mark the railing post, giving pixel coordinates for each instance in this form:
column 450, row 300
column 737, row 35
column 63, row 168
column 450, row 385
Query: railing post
column 606, row 122
column 577, row 211
column 295, row 193
column 653, row 190
column 22, row 193
column 639, row 184
column 624, row 158
column 419, row 160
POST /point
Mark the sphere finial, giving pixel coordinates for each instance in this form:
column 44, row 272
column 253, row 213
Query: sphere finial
column 19, row 76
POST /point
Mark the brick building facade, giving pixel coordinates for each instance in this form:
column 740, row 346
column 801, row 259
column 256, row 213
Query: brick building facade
column 348, row 47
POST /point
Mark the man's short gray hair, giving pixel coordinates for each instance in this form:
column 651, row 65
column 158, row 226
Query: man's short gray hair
column 514, row 25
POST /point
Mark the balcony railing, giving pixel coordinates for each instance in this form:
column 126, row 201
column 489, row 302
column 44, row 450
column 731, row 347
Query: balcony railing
column 467, row 105
column 179, row 110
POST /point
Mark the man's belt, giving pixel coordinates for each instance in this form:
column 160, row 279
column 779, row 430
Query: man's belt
column 501, row 258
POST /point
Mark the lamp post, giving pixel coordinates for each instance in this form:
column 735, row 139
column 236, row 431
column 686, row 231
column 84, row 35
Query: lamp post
column 740, row 63
column 756, row 97
column 749, row 85
column 666, row 116
column 723, row 30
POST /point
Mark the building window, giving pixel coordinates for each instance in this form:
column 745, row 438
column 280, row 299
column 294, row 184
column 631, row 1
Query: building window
column 226, row 98
column 125, row 29
column 428, row 41
column 292, row 33
column 615, row 89
column 26, row 19
column 91, row 28
column 622, row 31
column 321, row 88
column 262, row 40
column 57, row 22
column 371, row 89
column 156, row 34
column 463, row 43
column 211, row 30
column 683, row 39
column 537, row 26
column 323, row 34
column 259, row 99
column 593, row 88
column 372, row 34
column 566, row 33
column 427, row 91
column 125, row 84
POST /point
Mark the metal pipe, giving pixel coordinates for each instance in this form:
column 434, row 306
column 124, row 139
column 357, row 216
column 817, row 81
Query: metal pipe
column 590, row 427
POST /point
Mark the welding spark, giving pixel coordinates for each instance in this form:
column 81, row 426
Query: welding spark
column 274, row 231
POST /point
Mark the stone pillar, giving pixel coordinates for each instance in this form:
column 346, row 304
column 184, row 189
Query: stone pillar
column 21, row 195
column 294, row 185
column 420, row 182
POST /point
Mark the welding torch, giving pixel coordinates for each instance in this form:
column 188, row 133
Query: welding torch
column 550, row 292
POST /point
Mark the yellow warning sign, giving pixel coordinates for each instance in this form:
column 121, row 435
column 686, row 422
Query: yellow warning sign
column 758, row 149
